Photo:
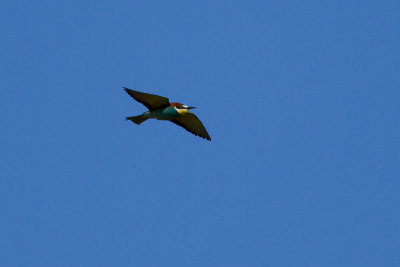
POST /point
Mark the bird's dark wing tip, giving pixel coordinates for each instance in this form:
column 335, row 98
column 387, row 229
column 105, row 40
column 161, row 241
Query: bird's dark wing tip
column 206, row 137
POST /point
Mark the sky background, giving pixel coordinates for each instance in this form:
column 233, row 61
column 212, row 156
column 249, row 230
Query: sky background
column 301, row 99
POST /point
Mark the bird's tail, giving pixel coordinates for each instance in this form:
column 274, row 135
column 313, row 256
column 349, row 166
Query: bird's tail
column 137, row 119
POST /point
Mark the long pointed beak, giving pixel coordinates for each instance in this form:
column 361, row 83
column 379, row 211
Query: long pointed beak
column 191, row 108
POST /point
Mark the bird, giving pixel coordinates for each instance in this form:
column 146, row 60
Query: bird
column 161, row 109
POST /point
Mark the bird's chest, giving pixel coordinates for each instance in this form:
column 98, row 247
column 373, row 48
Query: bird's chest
column 168, row 113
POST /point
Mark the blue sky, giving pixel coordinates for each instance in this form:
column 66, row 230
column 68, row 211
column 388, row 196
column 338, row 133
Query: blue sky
column 301, row 99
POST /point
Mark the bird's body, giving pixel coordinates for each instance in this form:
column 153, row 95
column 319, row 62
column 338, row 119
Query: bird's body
column 168, row 113
column 161, row 109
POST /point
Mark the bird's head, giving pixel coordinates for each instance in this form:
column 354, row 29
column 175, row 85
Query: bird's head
column 181, row 108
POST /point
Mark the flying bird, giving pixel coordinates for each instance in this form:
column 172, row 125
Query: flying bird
column 161, row 109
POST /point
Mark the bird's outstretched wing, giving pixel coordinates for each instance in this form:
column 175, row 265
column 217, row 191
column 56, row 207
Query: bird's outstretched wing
column 192, row 124
column 152, row 102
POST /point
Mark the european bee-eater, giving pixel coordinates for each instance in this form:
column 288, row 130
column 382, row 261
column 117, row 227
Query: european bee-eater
column 161, row 109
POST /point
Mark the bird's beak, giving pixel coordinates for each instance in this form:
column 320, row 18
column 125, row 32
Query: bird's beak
column 191, row 107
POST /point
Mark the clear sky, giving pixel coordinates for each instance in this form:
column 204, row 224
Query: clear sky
column 301, row 99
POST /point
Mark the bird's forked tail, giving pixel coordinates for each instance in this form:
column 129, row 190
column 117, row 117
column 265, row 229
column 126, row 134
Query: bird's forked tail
column 137, row 119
